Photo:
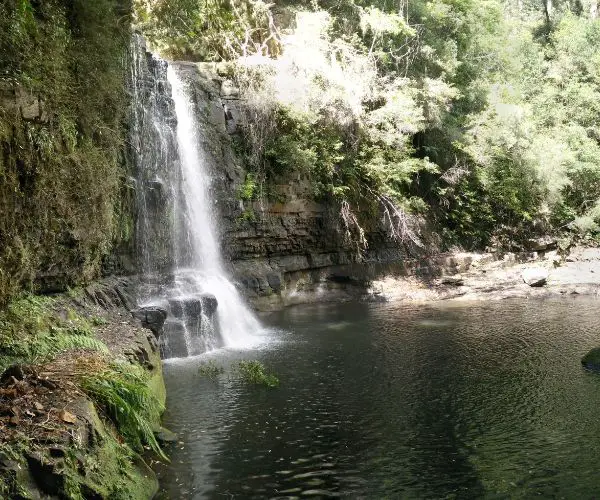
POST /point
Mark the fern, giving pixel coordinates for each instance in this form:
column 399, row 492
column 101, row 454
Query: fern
column 124, row 394
column 68, row 342
column 31, row 330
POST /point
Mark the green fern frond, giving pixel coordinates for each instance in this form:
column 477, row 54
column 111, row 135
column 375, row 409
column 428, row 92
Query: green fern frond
column 124, row 394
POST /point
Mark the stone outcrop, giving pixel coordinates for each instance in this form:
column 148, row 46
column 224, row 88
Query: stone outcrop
column 286, row 249
column 535, row 276
column 152, row 318
column 54, row 441
column 152, row 153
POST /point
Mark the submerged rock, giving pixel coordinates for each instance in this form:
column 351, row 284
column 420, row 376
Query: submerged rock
column 535, row 276
column 591, row 360
column 165, row 436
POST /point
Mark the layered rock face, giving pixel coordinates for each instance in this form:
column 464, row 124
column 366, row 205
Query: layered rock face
column 287, row 249
column 153, row 154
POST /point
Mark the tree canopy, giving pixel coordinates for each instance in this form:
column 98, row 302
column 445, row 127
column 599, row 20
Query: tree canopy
column 475, row 118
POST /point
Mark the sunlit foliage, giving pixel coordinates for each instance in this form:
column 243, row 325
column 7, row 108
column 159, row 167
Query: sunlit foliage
column 476, row 117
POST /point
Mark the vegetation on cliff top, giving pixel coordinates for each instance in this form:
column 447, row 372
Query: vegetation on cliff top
column 479, row 118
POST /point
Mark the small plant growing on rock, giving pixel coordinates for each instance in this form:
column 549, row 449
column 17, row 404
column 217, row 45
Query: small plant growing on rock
column 254, row 372
column 122, row 391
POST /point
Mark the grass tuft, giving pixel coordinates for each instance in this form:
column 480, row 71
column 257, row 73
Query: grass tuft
column 210, row 370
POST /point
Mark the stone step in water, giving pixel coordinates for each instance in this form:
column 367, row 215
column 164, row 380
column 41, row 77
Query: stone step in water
column 173, row 343
column 193, row 306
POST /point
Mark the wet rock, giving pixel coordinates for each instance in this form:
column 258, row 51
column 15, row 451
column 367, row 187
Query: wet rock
column 209, row 304
column 188, row 306
column 344, row 279
column 535, row 276
column 591, row 360
column 173, row 342
column 451, row 280
column 274, row 281
column 192, row 307
column 48, row 480
column 165, row 436
column 152, row 318
column 251, row 283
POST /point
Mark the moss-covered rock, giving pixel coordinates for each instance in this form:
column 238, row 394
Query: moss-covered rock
column 80, row 399
column 91, row 464
column 64, row 200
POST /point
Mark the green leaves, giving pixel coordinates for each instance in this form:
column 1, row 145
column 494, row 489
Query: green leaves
column 127, row 400
column 256, row 373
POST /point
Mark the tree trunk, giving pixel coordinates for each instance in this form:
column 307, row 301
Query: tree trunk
column 594, row 9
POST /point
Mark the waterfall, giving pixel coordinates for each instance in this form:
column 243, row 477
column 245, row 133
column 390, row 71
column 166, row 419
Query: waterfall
column 184, row 275
column 199, row 265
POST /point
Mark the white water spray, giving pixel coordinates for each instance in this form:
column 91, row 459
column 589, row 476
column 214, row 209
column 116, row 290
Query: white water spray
column 198, row 258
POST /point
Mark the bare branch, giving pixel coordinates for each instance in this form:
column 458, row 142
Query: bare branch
column 353, row 231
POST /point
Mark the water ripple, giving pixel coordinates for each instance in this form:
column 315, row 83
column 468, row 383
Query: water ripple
column 482, row 400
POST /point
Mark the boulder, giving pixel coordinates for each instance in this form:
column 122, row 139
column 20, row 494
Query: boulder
column 541, row 244
column 535, row 276
column 591, row 360
column 452, row 280
column 209, row 304
column 152, row 317
column 190, row 307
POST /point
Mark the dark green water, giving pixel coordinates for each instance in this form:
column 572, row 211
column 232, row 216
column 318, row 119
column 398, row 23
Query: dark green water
column 394, row 401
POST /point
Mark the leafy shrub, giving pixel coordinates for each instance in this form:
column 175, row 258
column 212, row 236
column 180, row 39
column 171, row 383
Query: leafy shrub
column 255, row 372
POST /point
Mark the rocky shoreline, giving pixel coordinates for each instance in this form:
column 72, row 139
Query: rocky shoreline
column 489, row 277
column 450, row 276
column 60, row 436
column 57, row 440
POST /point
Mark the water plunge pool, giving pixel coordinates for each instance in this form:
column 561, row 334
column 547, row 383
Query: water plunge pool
column 399, row 401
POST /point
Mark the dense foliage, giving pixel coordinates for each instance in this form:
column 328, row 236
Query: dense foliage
column 62, row 104
column 478, row 117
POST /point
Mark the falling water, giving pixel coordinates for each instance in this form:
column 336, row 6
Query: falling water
column 200, row 269
column 178, row 247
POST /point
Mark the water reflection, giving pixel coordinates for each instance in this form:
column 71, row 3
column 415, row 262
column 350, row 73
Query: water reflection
column 481, row 400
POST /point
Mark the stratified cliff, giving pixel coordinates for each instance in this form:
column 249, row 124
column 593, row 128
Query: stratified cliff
column 65, row 199
column 283, row 246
